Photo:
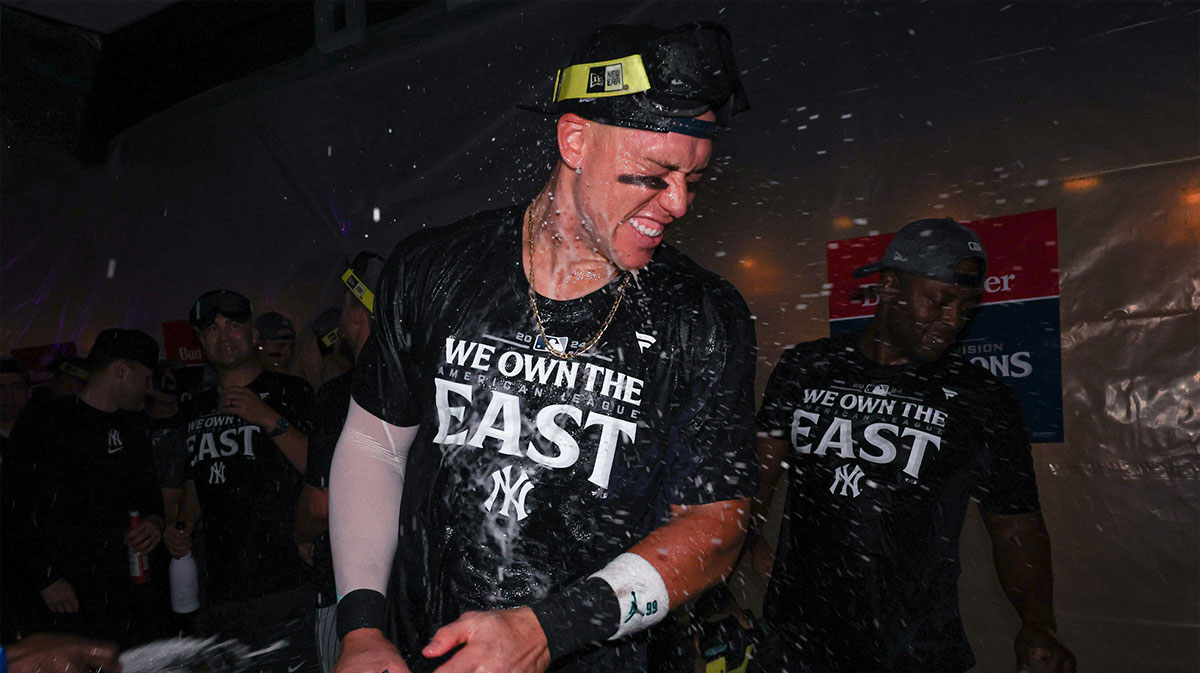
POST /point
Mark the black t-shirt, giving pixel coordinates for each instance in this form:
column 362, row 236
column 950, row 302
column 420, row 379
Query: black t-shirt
column 333, row 403
column 247, row 490
column 72, row 477
column 530, row 472
column 882, row 462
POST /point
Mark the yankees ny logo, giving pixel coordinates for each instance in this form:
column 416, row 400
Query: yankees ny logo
column 114, row 441
column 848, row 480
column 514, row 493
column 216, row 473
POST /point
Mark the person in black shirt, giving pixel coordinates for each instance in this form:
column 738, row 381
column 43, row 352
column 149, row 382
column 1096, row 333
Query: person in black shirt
column 78, row 467
column 556, row 405
column 333, row 401
column 248, row 442
column 886, row 435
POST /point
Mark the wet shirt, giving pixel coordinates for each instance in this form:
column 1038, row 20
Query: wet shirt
column 882, row 462
column 247, row 490
column 73, row 475
column 529, row 471
column 333, row 403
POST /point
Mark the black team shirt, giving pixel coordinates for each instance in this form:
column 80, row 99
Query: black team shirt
column 72, row 476
column 882, row 462
column 247, row 490
column 531, row 472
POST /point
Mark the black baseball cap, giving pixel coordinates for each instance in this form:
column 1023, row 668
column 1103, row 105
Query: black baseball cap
column 933, row 248
column 11, row 365
column 219, row 302
column 650, row 78
column 362, row 277
column 123, row 344
column 325, row 328
column 274, row 326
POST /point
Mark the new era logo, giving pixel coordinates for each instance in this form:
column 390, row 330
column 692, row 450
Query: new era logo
column 604, row 78
column 974, row 246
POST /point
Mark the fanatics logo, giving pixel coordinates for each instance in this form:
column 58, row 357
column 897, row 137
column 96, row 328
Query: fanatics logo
column 559, row 343
column 950, row 394
column 847, row 479
column 644, row 340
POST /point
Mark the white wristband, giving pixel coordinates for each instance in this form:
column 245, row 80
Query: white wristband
column 640, row 591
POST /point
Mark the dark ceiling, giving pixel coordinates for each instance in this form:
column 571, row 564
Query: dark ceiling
column 74, row 74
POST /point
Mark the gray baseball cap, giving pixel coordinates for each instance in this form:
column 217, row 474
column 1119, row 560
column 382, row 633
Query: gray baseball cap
column 933, row 248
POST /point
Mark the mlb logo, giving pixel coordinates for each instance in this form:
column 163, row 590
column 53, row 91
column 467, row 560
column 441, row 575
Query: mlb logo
column 878, row 389
column 559, row 343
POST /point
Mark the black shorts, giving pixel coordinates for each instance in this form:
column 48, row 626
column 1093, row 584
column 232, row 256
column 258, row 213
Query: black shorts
column 264, row 621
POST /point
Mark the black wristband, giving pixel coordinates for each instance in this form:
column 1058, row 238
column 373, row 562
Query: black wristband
column 585, row 612
column 361, row 609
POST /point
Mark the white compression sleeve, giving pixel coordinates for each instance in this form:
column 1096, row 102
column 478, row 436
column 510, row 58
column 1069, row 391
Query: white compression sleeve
column 366, row 482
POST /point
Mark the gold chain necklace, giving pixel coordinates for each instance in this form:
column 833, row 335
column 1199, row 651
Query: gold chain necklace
column 537, row 317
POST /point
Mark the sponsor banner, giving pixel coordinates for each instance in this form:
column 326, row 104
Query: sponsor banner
column 1016, row 332
column 180, row 343
column 37, row 360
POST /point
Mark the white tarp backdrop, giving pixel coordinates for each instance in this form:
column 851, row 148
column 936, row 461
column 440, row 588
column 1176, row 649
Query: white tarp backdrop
column 865, row 117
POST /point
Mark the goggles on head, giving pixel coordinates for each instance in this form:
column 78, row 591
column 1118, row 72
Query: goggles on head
column 219, row 302
column 678, row 75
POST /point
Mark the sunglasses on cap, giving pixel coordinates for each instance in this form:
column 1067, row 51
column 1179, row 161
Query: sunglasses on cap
column 219, row 302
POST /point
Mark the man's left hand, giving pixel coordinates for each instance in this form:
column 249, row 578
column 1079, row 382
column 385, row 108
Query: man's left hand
column 1037, row 643
column 246, row 404
column 145, row 536
column 496, row 640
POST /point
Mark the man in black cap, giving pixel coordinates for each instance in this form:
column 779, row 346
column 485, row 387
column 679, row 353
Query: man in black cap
column 563, row 401
column 361, row 279
column 78, row 467
column 886, row 436
column 276, row 341
column 14, row 395
column 248, row 441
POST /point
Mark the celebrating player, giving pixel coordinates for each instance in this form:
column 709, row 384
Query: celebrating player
column 564, row 401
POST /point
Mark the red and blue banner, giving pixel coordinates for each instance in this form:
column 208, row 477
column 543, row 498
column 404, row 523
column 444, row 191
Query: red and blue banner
column 1015, row 334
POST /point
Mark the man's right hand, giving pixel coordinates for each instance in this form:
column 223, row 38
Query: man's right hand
column 368, row 651
column 178, row 542
column 60, row 597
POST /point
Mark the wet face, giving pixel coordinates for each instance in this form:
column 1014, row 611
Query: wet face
column 633, row 185
column 227, row 343
column 276, row 355
column 925, row 315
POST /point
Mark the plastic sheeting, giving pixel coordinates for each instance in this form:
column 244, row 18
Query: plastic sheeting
column 865, row 117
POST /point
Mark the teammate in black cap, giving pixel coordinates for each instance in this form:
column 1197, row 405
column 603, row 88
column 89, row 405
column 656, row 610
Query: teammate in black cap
column 886, row 435
column 361, row 279
column 564, row 401
column 77, row 466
